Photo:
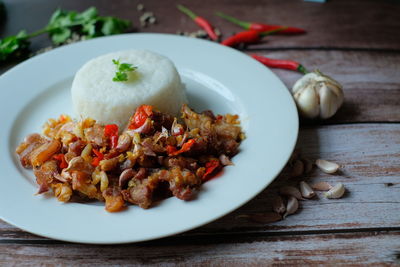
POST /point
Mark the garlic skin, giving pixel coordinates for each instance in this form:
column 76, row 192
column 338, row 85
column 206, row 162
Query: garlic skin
column 317, row 95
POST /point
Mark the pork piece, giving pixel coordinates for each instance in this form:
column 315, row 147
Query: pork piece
column 210, row 114
column 140, row 195
column 114, row 199
column 76, row 147
column 127, row 164
column 81, row 181
column 182, row 183
column 141, row 174
column 227, row 130
column 194, row 120
column 44, row 152
column 79, row 164
column 147, row 161
column 95, row 135
column 181, row 162
column 62, row 191
column 125, row 176
column 109, row 164
column 150, row 148
column 45, row 175
column 161, row 120
column 25, row 149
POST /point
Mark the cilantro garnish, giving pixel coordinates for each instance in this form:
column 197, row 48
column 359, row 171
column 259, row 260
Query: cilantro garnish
column 122, row 71
column 61, row 27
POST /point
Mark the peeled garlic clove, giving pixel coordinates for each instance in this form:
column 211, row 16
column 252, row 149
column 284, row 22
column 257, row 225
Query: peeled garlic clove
column 278, row 206
column 297, row 169
column 321, row 186
column 306, row 190
column 327, row 166
column 336, row 192
column 291, row 207
column 290, row 191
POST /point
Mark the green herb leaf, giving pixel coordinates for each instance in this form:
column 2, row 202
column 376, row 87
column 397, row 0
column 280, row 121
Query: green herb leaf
column 61, row 27
column 120, row 77
column 122, row 71
column 87, row 24
column 61, row 35
column 13, row 47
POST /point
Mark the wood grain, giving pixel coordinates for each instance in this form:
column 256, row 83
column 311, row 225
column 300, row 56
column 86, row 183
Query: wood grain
column 329, row 250
column 354, row 41
column 336, row 24
column 369, row 156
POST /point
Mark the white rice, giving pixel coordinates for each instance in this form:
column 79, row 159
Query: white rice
column 155, row 82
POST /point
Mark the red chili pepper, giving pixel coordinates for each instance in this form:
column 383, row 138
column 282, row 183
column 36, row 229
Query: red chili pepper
column 172, row 151
column 99, row 157
column 280, row 64
column 259, row 26
column 248, row 37
column 202, row 22
column 62, row 118
column 95, row 161
column 61, row 159
column 211, row 166
column 111, row 130
column 140, row 117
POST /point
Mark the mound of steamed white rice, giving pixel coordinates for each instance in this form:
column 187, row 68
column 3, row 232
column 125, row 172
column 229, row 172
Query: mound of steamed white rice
column 155, row 82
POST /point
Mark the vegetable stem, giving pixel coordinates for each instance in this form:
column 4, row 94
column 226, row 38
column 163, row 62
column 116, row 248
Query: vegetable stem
column 302, row 69
column 262, row 34
column 243, row 24
column 187, row 11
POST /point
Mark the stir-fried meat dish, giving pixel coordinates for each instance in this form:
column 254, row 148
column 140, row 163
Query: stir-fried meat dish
column 155, row 157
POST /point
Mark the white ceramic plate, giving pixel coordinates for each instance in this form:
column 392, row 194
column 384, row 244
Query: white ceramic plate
column 217, row 78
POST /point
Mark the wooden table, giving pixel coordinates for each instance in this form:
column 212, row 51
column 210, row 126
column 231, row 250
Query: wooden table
column 358, row 43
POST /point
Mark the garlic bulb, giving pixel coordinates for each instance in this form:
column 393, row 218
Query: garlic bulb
column 317, row 95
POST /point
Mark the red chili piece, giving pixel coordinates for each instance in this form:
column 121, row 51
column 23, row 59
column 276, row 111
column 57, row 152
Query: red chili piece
column 259, row 26
column 202, row 22
column 111, row 130
column 280, row 64
column 172, row 151
column 248, row 37
column 211, row 166
column 61, row 159
column 140, row 117
column 99, row 157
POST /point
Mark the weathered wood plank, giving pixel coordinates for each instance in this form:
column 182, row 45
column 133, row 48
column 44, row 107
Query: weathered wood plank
column 366, row 249
column 370, row 81
column 369, row 156
column 335, row 24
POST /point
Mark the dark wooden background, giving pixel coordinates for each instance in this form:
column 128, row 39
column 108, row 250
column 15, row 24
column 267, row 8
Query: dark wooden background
column 356, row 42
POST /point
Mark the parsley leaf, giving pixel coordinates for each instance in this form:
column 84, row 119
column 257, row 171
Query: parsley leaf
column 61, row 27
column 122, row 71
column 87, row 24
column 13, row 47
